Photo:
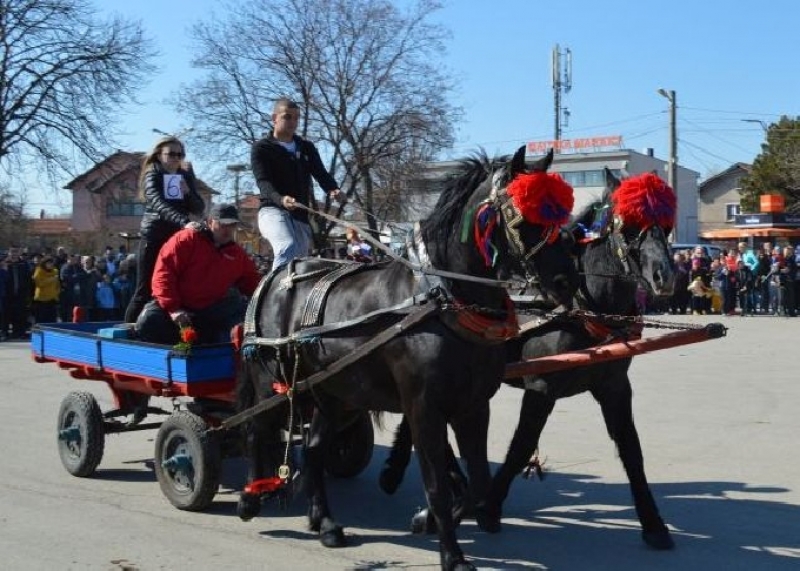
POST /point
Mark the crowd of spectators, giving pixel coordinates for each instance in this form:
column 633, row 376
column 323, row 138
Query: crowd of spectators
column 739, row 281
column 48, row 287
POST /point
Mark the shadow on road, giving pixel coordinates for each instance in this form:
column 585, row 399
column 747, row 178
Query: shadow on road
column 568, row 521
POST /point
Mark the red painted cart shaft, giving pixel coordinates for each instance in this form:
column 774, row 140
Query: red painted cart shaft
column 612, row 351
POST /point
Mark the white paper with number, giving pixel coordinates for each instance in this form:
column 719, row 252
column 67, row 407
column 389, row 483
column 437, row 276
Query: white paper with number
column 172, row 187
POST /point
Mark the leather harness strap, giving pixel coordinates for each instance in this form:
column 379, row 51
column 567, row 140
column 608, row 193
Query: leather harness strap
column 315, row 302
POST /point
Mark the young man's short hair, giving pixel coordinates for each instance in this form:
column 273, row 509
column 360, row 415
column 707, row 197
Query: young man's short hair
column 285, row 102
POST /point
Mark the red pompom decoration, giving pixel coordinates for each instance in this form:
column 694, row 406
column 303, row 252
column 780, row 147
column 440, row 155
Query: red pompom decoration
column 188, row 335
column 645, row 200
column 544, row 199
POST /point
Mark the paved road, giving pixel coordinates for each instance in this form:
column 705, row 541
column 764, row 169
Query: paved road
column 719, row 422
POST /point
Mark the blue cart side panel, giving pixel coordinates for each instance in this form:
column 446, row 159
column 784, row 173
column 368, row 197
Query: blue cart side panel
column 79, row 343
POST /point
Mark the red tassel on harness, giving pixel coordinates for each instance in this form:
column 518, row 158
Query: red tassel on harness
column 544, row 199
column 645, row 200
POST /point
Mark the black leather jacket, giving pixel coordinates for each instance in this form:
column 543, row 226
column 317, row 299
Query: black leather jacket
column 279, row 173
column 162, row 215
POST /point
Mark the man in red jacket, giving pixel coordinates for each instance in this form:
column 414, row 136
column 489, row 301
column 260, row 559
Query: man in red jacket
column 199, row 280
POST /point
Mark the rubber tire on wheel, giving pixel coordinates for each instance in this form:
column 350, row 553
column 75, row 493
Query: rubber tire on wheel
column 351, row 450
column 191, row 489
column 80, row 458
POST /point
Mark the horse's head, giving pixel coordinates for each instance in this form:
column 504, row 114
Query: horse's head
column 532, row 206
column 641, row 215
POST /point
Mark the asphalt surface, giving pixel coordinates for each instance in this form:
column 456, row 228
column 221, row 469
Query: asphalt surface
column 719, row 423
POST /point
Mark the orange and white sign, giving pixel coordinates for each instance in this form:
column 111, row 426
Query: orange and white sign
column 588, row 143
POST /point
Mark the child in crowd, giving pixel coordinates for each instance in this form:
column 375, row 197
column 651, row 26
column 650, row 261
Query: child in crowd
column 106, row 300
column 700, row 294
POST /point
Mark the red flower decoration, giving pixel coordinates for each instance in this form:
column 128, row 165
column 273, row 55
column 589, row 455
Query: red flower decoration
column 544, row 199
column 188, row 335
column 645, row 200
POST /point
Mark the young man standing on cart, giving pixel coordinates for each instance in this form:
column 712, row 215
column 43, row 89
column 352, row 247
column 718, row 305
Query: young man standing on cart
column 199, row 280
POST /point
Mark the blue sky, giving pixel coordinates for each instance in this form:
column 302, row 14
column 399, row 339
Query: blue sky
column 726, row 61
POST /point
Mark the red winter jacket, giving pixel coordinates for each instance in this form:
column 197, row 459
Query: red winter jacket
column 192, row 273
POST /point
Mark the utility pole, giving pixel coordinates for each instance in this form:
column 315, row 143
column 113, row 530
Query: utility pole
column 237, row 170
column 562, row 83
column 672, row 171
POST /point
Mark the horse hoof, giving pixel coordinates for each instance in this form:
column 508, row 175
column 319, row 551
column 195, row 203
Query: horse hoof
column 423, row 522
column 389, row 480
column 332, row 535
column 488, row 519
column 661, row 539
column 460, row 565
column 248, row 507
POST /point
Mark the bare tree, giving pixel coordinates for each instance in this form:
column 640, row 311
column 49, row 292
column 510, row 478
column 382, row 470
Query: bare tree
column 13, row 224
column 365, row 72
column 64, row 75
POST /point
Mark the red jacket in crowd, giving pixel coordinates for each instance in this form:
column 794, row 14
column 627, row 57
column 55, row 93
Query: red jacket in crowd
column 193, row 273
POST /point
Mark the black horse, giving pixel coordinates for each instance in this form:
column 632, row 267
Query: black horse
column 632, row 222
column 493, row 220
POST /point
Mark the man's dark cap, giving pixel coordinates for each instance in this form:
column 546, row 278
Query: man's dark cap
column 225, row 213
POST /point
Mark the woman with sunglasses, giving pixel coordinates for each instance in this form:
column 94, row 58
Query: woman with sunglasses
column 167, row 185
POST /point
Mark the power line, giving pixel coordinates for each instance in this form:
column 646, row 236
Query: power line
column 683, row 108
column 711, row 134
column 706, row 151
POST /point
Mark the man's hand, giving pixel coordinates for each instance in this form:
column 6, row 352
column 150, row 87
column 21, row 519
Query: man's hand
column 338, row 195
column 181, row 318
column 289, row 203
column 196, row 226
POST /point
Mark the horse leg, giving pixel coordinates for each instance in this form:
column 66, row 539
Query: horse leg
column 257, row 451
column 320, row 518
column 534, row 412
column 395, row 466
column 429, row 430
column 616, row 405
column 472, row 432
column 255, row 434
column 399, row 456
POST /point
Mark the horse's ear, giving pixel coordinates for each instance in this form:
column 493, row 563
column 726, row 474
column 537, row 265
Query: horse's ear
column 518, row 162
column 543, row 164
column 612, row 182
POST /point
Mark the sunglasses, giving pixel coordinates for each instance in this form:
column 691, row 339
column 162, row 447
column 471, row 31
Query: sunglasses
column 173, row 155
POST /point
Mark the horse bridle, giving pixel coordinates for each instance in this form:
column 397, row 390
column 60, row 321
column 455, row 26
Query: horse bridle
column 624, row 248
column 512, row 219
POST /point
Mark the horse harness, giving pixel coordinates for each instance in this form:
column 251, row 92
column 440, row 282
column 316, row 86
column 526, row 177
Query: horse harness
column 512, row 219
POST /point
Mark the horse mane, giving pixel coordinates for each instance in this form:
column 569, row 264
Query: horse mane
column 470, row 173
column 587, row 217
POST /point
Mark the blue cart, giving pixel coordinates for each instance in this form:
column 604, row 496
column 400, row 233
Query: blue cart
column 188, row 455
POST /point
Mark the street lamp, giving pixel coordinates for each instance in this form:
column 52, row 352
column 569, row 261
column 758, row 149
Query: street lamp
column 672, row 171
column 237, row 169
column 764, row 124
column 177, row 135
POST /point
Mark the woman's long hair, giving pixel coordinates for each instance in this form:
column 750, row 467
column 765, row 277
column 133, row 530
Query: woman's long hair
column 151, row 158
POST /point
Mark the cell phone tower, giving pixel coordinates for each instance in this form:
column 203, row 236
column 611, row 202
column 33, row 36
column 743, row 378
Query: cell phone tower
column 561, row 75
